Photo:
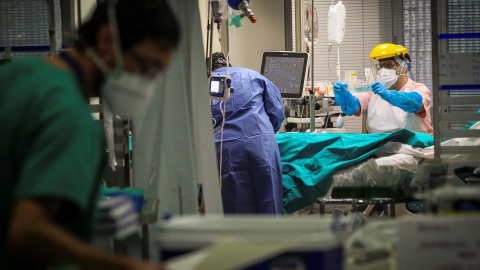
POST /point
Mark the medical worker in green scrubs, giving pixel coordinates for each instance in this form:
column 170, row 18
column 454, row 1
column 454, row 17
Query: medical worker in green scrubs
column 52, row 152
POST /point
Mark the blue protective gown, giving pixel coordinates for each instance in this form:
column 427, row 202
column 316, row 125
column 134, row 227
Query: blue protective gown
column 251, row 164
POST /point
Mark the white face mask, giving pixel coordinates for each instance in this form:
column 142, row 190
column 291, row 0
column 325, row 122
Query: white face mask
column 388, row 77
column 127, row 94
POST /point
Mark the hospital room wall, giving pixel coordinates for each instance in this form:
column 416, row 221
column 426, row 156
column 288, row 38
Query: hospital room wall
column 203, row 8
column 248, row 42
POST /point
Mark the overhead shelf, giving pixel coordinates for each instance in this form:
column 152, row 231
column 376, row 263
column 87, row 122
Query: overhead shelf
column 30, row 48
column 459, row 36
column 460, row 87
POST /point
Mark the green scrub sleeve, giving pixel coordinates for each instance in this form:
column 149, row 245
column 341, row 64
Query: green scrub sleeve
column 63, row 158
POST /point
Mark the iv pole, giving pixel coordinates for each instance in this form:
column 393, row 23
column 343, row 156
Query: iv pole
column 312, row 92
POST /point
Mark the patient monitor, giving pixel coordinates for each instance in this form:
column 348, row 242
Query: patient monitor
column 287, row 71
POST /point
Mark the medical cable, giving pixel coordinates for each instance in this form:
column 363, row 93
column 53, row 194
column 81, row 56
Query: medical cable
column 338, row 63
column 221, row 144
column 223, row 113
column 233, row 43
column 224, row 107
column 328, row 61
column 326, row 120
column 214, row 104
column 301, row 113
column 228, row 52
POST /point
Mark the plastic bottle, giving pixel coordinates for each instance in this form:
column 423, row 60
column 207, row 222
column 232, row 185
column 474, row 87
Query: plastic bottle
column 340, row 121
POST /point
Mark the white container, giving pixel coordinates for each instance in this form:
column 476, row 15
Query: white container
column 337, row 16
column 315, row 246
column 351, row 79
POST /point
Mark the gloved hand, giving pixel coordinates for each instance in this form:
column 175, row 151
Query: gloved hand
column 348, row 102
column 409, row 102
column 380, row 89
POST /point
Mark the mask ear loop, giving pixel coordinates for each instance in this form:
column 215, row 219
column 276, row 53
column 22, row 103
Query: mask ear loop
column 117, row 49
column 117, row 46
column 95, row 58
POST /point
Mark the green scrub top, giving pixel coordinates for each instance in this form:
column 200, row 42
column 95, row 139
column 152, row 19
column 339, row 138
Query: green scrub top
column 50, row 146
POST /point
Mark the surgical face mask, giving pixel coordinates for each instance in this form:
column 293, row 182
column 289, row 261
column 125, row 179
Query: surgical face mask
column 125, row 93
column 128, row 94
column 388, row 77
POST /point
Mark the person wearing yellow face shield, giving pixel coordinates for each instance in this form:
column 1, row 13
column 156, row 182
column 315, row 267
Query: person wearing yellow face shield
column 397, row 101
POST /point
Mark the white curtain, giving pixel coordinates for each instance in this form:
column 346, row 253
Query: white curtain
column 173, row 145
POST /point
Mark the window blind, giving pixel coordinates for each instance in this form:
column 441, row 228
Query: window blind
column 23, row 23
column 418, row 39
column 368, row 23
column 463, row 17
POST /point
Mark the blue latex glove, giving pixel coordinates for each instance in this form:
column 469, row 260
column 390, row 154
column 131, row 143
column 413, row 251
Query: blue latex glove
column 348, row 102
column 409, row 102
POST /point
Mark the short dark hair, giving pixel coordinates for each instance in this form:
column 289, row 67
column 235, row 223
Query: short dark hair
column 219, row 66
column 218, row 61
column 137, row 20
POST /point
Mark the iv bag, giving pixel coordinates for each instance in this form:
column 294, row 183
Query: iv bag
column 336, row 23
column 308, row 23
column 219, row 9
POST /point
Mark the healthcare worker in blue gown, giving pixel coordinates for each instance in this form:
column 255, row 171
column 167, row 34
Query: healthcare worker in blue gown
column 251, row 166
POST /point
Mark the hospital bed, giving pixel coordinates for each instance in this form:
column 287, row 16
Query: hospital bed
column 313, row 163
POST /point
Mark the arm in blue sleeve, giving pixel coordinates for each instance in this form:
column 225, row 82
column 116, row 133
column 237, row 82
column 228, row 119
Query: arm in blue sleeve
column 273, row 104
column 409, row 102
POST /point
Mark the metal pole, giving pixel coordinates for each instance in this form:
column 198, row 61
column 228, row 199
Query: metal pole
column 54, row 26
column 288, row 24
column 312, row 92
column 299, row 7
column 145, row 247
column 79, row 13
column 211, row 45
column 209, row 28
column 435, row 72
column 180, row 200
column 228, row 36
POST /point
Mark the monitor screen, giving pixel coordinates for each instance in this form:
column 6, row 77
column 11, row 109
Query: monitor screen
column 215, row 86
column 287, row 71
